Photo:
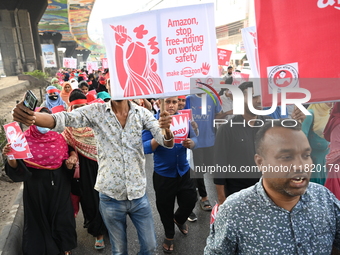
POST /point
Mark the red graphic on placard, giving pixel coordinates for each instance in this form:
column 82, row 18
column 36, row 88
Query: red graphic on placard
column 283, row 78
column 180, row 127
column 17, row 139
column 136, row 70
column 205, row 68
column 186, row 111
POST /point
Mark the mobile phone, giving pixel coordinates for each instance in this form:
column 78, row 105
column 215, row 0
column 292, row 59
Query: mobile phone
column 30, row 100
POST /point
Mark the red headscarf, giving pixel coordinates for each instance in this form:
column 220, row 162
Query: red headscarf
column 334, row 120
column 49, row 150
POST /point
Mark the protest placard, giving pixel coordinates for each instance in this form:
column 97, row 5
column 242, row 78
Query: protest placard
column 180, row 127
column 105, row 64
column 301, row 52
column 223, row 56
column 70, row 62
column 17, row 139
column 186, row 111
column 154, row 54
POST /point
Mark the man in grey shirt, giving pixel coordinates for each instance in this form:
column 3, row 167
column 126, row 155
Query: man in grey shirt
column 121, row 180
column 283, row 213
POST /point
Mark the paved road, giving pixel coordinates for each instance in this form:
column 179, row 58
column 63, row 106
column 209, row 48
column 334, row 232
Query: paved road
column 192, row 244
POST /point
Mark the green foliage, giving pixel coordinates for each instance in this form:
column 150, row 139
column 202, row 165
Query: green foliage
column 38, row 74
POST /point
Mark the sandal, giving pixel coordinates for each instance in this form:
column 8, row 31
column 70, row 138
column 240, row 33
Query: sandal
column 205, row 205
column 183, row 228
column 101, row 244
column 169, row 244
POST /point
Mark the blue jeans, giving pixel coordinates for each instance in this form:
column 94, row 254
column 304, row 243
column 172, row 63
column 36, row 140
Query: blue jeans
column 114, row 214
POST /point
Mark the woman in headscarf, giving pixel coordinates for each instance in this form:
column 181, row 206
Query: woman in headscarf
column 332, row 134
column 49, row 224
column 84, row 143
column 55, row 83
column 65, row 93
column 52, row 98
column 313, row 126
column 74, row 83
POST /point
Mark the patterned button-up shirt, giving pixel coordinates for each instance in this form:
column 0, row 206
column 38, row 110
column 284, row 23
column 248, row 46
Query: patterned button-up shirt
column 249, row 222
column 121, row 160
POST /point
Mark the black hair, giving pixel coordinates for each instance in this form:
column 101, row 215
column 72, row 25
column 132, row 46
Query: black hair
column 229, row 67
column 82, row 84
column 285, row 123
column 91, row 75
column 80, row 78
column 76, row 94
column 245, row 85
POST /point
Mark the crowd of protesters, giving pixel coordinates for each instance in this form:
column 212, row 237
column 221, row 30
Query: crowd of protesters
column 99, row 163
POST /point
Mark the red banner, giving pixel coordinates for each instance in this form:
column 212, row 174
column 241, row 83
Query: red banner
column 303, row 36
column 17, row 139
column 223, row 56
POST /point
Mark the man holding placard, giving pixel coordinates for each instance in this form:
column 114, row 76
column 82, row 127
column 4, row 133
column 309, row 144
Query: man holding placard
column 171, row 177
column 121, row 180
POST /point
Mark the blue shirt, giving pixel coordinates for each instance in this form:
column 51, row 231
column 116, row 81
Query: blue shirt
column 168, row 162
column 205, row 123
column 249, row 222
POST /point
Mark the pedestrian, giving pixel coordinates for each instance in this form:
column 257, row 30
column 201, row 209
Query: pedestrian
column 49, row 225
column 283, row 213
column 53, row 98
column 171, row 180
column 121, row 180
column 82, row 140
column 313, row 126
column 65, row 92
column 331, row 134
column 84, row 86
column 204, row 150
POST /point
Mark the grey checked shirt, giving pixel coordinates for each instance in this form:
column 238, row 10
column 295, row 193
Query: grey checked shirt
column 121, row 173
column 249, row 222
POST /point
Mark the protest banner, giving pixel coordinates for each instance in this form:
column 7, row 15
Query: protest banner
column 70, row 62
column 180, row 127
column 17, row 139
column 223, row 56
column 105, row 64
column 301, row 52
column 48, row 54
column 153, row 54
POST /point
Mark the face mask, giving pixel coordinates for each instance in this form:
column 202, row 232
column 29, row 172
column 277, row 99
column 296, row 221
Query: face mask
column 43, row 130
column 53, row 97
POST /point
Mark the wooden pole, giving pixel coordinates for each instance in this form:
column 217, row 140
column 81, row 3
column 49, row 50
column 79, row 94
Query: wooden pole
column 162, row 110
